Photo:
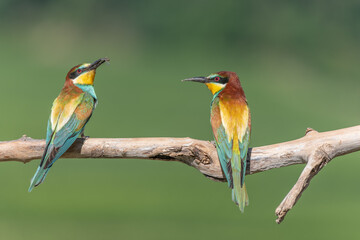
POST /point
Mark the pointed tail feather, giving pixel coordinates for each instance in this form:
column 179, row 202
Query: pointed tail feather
column 239, row 194
column 240, row 197
column 38, row 178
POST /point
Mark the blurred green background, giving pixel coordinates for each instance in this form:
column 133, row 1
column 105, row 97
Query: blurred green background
column 299, row 65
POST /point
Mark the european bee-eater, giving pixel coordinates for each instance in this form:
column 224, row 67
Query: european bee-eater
column 70, row 112
column 231, row 125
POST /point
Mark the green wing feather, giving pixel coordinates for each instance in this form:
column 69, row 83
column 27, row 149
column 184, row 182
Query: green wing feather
column 244, row 146
column 60, row 139
column 224, row 150
column 223, row 146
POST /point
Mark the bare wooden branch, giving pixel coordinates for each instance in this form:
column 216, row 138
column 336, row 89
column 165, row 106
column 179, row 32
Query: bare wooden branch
column 315, row 149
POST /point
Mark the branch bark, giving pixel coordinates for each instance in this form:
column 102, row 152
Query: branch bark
column 315, row 149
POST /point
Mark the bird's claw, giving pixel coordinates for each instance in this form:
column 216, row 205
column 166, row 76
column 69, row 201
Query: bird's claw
column 84, row 137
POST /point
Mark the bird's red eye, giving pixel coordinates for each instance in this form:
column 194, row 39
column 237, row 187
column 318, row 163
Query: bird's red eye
column 79, row 70
column 217, row 79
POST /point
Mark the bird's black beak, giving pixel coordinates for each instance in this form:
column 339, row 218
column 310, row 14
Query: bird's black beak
column 97, row 63
column 197, row 79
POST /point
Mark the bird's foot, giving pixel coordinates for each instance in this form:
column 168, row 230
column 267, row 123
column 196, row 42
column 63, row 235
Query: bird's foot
column 84, row 137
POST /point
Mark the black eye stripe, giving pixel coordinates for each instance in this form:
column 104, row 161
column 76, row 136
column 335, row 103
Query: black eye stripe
column 219, row 79
column 75, row 73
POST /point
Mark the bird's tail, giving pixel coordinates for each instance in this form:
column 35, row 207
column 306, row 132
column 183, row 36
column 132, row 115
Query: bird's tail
column 240, row 196
column 39, row 177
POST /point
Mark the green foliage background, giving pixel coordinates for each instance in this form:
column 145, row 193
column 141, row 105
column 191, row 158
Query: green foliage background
column 299, row 65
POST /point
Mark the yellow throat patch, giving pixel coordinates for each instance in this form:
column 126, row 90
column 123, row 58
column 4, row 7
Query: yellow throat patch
column 86, row 78
column 215, row 87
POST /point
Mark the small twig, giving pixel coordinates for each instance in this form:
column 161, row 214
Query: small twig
column 316, row 162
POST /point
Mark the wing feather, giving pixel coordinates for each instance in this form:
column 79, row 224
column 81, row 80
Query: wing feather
column 65, row 136
column 62, row 131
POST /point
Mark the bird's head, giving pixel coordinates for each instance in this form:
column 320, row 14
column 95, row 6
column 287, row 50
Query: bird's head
column 84, row 74
column 215, row 82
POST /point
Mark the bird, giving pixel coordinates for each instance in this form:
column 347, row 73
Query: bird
column 70, row 112
column 231, row 125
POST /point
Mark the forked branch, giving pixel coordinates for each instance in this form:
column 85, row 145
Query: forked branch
column 315, row 149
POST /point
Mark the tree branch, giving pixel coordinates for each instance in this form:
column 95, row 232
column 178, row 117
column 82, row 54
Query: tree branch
column 315, row 149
